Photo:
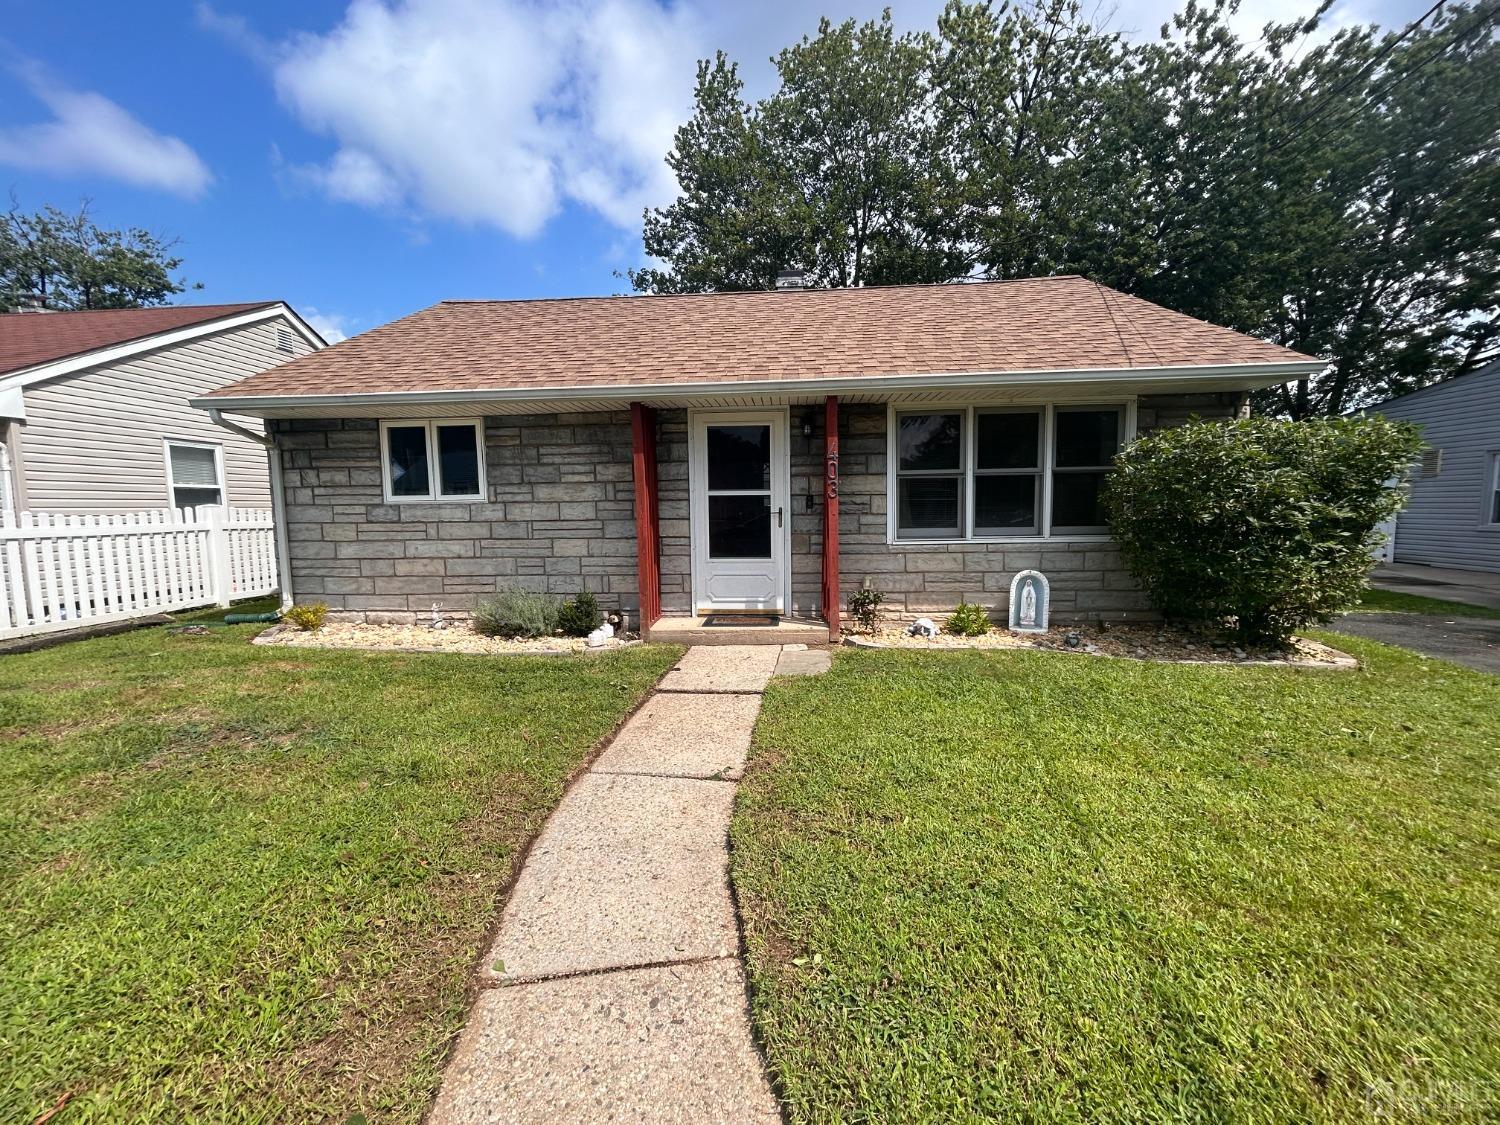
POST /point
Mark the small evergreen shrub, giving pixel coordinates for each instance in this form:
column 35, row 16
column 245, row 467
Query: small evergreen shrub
column 516, row 613
column 968, row 620
column 864, row 607
column 307, row 617
column 1261, row 526
column 579, row 617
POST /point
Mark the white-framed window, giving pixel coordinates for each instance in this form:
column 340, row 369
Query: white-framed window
column 1492, row 491
column 195, row 473
column 1002, row 472
column 437, row 459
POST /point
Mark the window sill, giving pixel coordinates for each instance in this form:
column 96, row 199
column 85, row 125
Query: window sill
column 435, row 499
column 1009, row 540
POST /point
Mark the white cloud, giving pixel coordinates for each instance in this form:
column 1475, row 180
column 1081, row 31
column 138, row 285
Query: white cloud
column 489, row 112
column 332, row 326
column 91, row 134
column 500, row 112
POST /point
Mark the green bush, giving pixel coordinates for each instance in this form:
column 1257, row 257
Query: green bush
column 579, row 617
column 864, row 607
column 307, row 617
column 968, row 620
column 1261, row 526
column 517, row 613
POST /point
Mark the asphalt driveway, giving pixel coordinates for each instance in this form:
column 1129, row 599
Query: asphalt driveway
column 1474, row 641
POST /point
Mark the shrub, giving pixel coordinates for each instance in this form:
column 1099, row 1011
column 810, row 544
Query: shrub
column 1262, row 526
column 579, row 617
column 516, row 613
column 864, row 607
column 968, row 620
column 307, row 617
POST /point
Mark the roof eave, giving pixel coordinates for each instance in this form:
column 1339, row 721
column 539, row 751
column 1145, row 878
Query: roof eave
column 1232, row 376
column 113, row 353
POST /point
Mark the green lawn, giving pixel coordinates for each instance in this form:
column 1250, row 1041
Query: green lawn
column 1389, row 601
column 249, row 884
column 1045, row 887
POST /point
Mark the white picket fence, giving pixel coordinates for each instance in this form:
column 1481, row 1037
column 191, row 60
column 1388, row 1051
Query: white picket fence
column 66, row 571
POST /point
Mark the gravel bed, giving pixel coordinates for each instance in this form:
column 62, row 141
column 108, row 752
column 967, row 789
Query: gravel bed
column 1137, row 642
column 421, row 638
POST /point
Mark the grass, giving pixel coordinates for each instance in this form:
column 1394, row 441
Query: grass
column 1389, row 601
column 1050, row 888
column 248, row 884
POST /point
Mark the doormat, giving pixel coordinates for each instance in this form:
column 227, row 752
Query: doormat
column 740, row 620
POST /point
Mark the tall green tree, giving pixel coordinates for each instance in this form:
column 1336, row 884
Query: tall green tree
column 67, row 261
column 1338, row 199
column 838, row 172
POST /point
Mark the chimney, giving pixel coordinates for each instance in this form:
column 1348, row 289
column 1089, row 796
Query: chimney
column 31, row 303
column 791, row 279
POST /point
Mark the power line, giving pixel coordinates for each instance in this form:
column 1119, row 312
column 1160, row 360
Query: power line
column 1375, row 97
column 1390, row 45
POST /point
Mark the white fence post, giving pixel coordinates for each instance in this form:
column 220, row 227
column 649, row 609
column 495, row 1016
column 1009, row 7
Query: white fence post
column 61, row 572
column 220, row 562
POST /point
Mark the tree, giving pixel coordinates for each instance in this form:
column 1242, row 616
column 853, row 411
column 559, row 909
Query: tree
column 839, row 172
column 67, row 261
column 1338, row 200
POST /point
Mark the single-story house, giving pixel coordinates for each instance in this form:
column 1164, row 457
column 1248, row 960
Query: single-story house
column 745, row 452
column 1452, row 518
column 94, row 414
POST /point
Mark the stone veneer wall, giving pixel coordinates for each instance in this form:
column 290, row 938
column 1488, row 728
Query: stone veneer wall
column 559, row 517
column 1088, row 579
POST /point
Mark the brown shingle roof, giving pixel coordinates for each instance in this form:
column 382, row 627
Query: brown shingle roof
column 1062, row 323
column 27, row 339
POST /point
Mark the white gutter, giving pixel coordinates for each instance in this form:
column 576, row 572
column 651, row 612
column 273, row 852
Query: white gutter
column 1265, row 374
column 278, row 503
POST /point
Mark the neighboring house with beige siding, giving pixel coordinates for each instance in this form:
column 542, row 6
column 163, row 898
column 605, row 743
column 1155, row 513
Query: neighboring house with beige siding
column 94, row 414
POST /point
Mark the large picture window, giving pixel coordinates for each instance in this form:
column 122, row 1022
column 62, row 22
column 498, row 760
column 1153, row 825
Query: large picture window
column 437, row 460
column 1002, row 472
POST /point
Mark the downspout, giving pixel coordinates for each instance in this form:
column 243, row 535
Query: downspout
column 278, row 502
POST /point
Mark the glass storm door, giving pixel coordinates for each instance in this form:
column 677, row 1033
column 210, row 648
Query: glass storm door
column 739, row 504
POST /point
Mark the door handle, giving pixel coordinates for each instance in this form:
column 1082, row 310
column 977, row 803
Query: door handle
column 778, row 517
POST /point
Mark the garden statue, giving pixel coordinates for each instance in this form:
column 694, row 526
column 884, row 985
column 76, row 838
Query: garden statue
column 1030, row 602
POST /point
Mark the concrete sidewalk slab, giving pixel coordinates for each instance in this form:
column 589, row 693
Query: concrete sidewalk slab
column 628, row 871
column 712, row 668
column 803, row 662
column 683, row 735
column 669, row 1044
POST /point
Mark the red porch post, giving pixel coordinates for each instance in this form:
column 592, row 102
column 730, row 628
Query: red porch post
column 831, row 517
column 647, row 513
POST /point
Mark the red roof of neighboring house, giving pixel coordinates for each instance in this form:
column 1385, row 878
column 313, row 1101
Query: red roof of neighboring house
column 31, row 338
column 1040, row 324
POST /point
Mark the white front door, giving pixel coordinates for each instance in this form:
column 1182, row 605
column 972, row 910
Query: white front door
column 740, row 480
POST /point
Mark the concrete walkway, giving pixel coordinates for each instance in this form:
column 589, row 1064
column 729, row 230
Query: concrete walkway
column 614, row 990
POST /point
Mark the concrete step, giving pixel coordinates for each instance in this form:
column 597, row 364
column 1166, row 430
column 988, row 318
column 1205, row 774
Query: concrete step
column 692, row 631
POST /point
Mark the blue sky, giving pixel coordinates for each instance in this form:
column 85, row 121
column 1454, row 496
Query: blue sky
column 364, row 159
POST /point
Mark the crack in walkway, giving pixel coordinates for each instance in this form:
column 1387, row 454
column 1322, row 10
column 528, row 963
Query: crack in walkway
column 615, row 988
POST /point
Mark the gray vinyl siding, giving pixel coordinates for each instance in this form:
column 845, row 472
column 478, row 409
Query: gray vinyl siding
column 92, row 440
column 1443, row 523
